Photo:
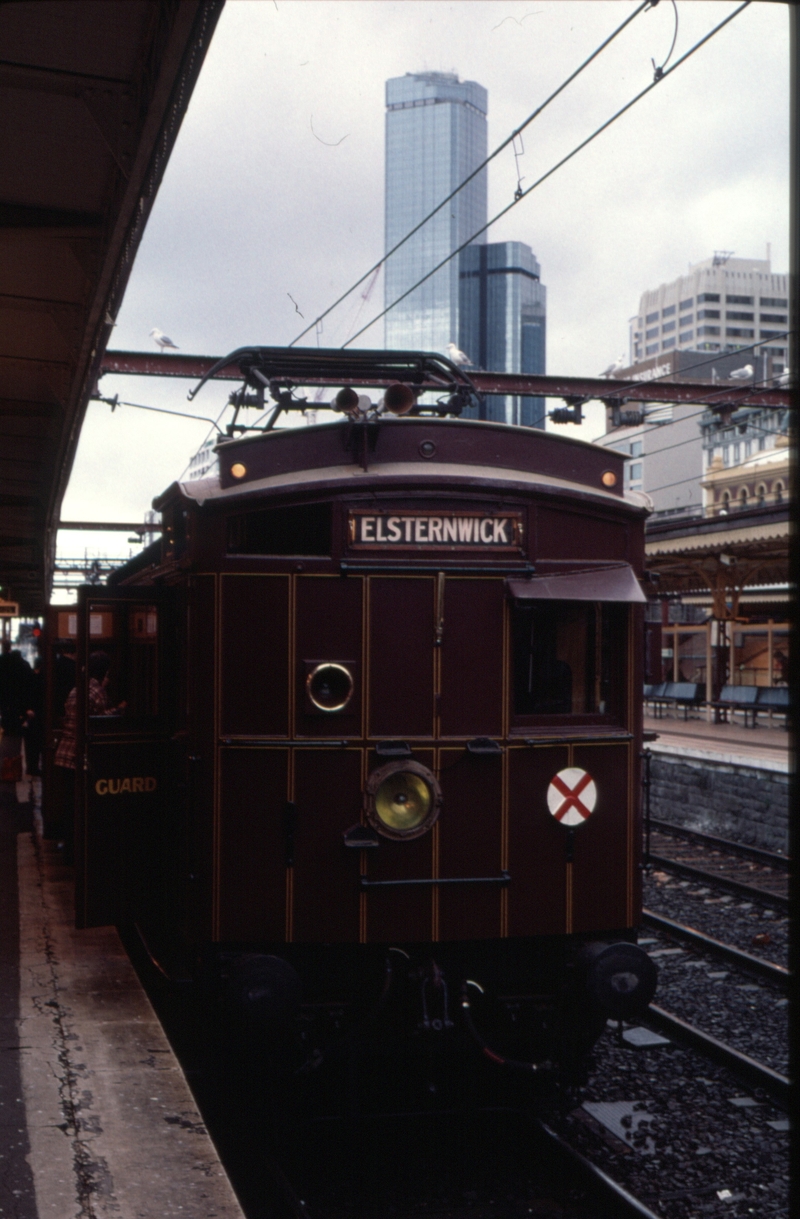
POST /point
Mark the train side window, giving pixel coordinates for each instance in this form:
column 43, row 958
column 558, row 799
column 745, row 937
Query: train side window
column 303, row 530
column 126, row 637
column 566, row 659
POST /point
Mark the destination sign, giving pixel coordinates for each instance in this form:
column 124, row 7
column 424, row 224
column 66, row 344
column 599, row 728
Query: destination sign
column 435, row 530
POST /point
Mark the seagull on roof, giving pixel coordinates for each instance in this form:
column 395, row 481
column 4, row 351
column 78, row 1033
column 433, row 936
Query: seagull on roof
column 741, row 374
column 457, row 356
column 162, row 339
column 614, row 368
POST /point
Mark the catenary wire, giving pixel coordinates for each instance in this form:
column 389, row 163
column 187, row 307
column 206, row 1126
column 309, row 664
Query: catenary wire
column 618, row 114
column 510, row 139
column 162, row 410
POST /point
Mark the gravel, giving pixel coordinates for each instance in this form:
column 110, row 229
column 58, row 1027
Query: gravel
column 750, row 1014
column 753, row 928
column 697, row 1144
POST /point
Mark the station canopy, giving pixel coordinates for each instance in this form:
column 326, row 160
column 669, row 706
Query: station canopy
column 92, row 94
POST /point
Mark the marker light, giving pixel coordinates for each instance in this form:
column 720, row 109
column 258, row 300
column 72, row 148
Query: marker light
column 238, row 470
column 330, row 687
column 609, row 478
column 403, row 800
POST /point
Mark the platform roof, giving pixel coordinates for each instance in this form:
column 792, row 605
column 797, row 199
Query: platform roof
column 92, row 93
column 721, row 555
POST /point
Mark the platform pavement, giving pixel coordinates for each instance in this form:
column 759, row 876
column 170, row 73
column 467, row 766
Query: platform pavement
column 765, row 747
column 96, row 1118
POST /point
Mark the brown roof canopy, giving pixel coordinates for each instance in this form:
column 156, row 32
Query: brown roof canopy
column 92, row 93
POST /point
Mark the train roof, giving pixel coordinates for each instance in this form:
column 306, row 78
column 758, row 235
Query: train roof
column 394, row 453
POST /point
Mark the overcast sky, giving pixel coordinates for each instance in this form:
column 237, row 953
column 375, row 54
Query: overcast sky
column 275, row 188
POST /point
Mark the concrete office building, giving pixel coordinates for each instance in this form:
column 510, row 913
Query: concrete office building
column 502, row 322
column 435, row 136
column 721, row 304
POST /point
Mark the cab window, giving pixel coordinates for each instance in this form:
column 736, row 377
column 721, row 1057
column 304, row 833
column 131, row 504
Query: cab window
column 567, row 660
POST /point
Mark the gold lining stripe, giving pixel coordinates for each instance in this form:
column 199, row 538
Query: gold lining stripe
column 216, row 862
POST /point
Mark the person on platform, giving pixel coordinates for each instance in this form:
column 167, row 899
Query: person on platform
column 15, row 677
column 33, row 724
column 99, row 664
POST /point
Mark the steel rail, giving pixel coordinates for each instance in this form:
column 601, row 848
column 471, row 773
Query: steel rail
column 748, row 1069
column 613, row 1196
column 744, row 960
column 194, row 367
column 759, row 854
column 761, row 896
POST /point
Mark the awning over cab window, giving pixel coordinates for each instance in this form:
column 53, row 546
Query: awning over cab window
column 612, row 583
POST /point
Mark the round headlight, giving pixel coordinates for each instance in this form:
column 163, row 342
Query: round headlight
column 330, row 687
column 403, row 800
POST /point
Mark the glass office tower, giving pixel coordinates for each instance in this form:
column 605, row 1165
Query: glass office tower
column 435, row 136
column 502, row 322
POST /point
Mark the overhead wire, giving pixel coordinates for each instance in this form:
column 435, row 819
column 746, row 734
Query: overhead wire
column 160, row 410
column 500, row 147
column 559, row 164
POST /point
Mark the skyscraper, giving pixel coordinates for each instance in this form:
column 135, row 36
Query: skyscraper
column 502, row 321
column 489, row 299
column 435, row 137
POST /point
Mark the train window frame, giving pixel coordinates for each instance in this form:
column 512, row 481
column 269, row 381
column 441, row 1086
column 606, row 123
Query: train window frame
column 242, row 530
column 606, row 633
column 135, row 669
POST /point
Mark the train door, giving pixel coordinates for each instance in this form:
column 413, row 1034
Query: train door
column 60, row 642
column 125, row 716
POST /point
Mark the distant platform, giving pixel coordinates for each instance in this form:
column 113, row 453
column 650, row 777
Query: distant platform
column 96, row 1115
column 732, row 743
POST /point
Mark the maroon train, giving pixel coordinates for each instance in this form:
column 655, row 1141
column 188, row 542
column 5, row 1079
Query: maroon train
column 383, row 681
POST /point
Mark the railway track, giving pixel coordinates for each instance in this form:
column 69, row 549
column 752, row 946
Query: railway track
column 709, row 865
column 613, row 1197
column 749, row 1070
column 735, row 956
column 770, row 858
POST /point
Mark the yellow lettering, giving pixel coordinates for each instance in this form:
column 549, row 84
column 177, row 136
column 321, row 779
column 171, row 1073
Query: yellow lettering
column 125, row 786
column 113, row 787
column 101, row 787
column 137, row 785
column 150, row 784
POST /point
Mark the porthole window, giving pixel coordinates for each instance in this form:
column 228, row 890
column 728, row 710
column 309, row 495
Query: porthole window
column 330, row 687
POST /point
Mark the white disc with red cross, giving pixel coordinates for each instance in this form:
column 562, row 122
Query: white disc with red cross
column 572, row 795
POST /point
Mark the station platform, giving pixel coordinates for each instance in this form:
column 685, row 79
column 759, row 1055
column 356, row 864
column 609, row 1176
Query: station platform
column 96, row 1116
column 761, row 747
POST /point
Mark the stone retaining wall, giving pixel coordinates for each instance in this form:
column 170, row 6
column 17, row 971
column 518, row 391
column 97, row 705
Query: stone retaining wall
column 744, row 803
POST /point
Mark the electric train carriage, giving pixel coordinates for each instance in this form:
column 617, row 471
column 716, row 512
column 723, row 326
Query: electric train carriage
column 380, row 749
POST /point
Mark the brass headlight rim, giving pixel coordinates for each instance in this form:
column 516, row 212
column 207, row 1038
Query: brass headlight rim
column 340, row 668
column 379, row 776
